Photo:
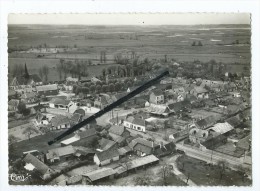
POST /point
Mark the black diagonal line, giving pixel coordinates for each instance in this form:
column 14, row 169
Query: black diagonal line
column 109, row 107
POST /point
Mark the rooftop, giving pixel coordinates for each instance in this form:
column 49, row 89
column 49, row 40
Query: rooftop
column 100, row 173
column 107, row 154
column 39, row 165
column 47, row 87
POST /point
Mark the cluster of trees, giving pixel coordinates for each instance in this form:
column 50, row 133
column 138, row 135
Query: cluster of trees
column 128, row 68
column 16, row 70
column 196, row 43
column 76, row 68
column 22, row 109
column 113, row 85
column 44, row 72
column 102, row 87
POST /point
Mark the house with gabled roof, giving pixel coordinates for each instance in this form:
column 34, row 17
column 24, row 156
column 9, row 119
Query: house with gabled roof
column 106, row 157
column 32, row 163
column 47, row 90
column 143, row 147
column 60, row 103
column 135, row 123
column 102, row 101
column 234, row 121
column 178, row 107
column 98, row 175
column 200, row 92
column 106, row 144
column 206, row 122
column 157, row 97
column 60, row 154
column 60, row 122
column 118, row 130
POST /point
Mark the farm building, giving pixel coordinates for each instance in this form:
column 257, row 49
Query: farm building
column 83, row 138
column 136, row 164
column 98, row 175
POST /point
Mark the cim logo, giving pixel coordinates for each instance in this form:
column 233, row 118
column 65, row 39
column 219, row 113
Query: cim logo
column 19, row 177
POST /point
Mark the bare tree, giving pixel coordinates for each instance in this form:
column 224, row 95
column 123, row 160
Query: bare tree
column 165, row 172
column 29, row 131
column 222, row 165
column 188, row 178
column 45, row 71
column 59, row 70
column 144, row 180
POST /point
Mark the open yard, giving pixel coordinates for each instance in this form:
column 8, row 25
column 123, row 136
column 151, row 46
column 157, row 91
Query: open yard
column 203, row 174
column 39, row 143
column 153, row 174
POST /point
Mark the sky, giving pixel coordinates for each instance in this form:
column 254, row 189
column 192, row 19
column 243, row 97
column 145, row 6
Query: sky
column 131, row 19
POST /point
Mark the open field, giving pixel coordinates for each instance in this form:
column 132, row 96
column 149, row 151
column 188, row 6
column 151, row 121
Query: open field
column 219, row 43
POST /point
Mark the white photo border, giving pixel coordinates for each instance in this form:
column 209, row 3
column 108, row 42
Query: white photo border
column 96, row 6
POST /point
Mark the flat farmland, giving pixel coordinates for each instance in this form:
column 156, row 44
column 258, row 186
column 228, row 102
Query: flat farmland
column 219, row 42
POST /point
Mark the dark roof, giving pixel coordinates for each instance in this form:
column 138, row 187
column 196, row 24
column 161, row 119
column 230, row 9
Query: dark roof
column 142, row 142
column 39, row 165
column 60, row 120
column 211, row 143
column 108, row 154
column 80, row 111
column 178, row 106
column 157, row 92
column 206, row 122
column 119, row 95
column 116, row 129
column 87, row 133
column 234, row 121
column 124, row 150
column 139, row 121
column 106, row 144
column 75, row 118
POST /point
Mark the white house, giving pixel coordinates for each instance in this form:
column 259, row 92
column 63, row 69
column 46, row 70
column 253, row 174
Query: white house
column 135, row 123
column 106, row 157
